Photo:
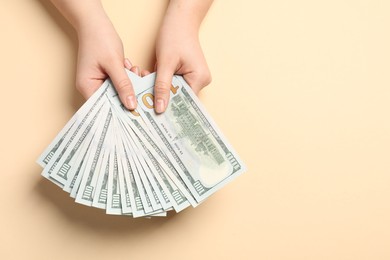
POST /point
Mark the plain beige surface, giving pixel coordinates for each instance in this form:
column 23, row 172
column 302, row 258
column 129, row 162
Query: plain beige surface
column 300, row 88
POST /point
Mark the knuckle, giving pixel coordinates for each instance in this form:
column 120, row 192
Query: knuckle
column 161, row 87
column 78, row 87
column 207, row 79
column 81, row 84
column 123, row 85
column 204, row 78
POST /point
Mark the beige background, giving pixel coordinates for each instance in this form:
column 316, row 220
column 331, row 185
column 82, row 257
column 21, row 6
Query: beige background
column 300, row 88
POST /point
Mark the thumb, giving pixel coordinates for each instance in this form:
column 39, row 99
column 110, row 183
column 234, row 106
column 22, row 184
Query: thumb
column 162, row 86
column 122, row 85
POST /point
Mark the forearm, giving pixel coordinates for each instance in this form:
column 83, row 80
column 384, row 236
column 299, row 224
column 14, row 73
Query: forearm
column 83, row 15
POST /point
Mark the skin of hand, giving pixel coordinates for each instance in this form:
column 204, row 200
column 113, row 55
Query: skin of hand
column 178, row 50
column 100, row 52
column 135, row 69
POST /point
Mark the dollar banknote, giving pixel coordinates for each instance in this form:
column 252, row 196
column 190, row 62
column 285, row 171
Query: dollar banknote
column 202, row 155
column 139, row 163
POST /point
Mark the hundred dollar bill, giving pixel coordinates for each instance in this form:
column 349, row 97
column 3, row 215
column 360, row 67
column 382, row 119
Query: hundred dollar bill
column 150, row 194
column 91, row 151
column 68, row 158
column 78, row 132
column 127, row 195
column 87, row 187
column 165, row 185
column 131, row 199
column 162, row 169
column 151, row 186
column 100, row 195
column 75, row 181
column 47, row 155
column 129, row 167
column 82, row 112
column 149, row 198
column 137, row 171
column 159, row 164
column 206, row 159
column 159, row 191
column 138, row 163
column 114, row 205
column 81, row 157
column 156, row 188
column 123, row 165
column 139, row 199
column 80, row 115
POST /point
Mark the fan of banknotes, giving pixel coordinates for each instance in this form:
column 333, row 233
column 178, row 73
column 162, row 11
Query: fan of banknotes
column 140, row 163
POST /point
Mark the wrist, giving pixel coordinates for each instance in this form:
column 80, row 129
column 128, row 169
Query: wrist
column 177, row 24
column 189, row 13
column 97, row 32
column 93, row 24
column 84, row 16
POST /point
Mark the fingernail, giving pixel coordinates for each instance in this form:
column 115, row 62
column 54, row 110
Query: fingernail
column 128, row 63
column 137, row 70
column 160, row 105
column 131, row 103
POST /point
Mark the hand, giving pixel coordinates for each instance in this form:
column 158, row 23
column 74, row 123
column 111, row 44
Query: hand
column 135, row 69
column 178, row 51
column 100, row 56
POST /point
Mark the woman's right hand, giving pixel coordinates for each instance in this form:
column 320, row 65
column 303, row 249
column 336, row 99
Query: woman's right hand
column 100, row 56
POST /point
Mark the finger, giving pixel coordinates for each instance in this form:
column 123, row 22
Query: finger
column 162, row 87
column 122, row 85
column 128, row 64
column 144, row 73
column 135, row 69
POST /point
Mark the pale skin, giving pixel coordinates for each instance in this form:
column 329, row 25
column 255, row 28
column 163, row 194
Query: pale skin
column 101, row 53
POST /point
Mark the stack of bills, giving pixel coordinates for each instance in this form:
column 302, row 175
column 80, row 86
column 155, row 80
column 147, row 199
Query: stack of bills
column 140, row 163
